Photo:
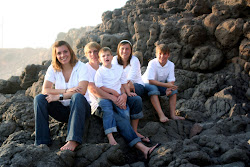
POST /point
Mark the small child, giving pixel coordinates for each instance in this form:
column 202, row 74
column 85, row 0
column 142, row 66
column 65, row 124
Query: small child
column 111, row 78
column 159, row 79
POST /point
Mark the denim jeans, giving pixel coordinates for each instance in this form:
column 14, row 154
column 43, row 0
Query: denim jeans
column 108, row 109
column 124, row 127
column 135, row 106
column 74, row 114
column 158, row 90
column 139, row 89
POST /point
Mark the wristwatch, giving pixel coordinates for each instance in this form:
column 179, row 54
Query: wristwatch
column 61, row 96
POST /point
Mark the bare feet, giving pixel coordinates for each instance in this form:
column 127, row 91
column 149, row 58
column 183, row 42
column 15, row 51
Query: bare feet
column 177, row 117
column 164, row 119
column 70, row 145
column 111, row 139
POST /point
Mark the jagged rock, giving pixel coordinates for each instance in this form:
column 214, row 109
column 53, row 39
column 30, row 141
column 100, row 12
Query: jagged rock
column 11, row 86
column 228, row 32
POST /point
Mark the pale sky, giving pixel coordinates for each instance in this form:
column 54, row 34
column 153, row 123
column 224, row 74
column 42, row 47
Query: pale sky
column 36, row 23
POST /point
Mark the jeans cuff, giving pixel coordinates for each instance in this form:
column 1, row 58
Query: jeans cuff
column 155, row 92
column 110, row 130
column 137, row 116
column 72, row 138
column 133, row 142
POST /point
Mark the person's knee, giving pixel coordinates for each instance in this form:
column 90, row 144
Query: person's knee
column 78, row 97
column 39, row 98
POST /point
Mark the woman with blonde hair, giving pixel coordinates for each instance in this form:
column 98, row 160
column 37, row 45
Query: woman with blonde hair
column 63, row 97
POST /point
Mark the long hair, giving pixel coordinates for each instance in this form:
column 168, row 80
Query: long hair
column 55, row 63
column 119, row 58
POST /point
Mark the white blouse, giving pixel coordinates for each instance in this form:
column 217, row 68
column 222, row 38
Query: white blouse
column 132, row 70
column 78, row 74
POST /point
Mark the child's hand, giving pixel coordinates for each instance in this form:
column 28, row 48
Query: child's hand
column 77, row 89
column 132, row 94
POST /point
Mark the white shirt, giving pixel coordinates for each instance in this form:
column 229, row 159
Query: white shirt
column 78, row 74
column 156, row 72
column 94, row 103
column 132, row 70
column 110, row 78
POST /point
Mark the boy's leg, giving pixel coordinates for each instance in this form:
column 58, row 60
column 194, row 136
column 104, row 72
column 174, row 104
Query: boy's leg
column 109, row 122
column 172, row 106
column 153, row 92
column 122, row 112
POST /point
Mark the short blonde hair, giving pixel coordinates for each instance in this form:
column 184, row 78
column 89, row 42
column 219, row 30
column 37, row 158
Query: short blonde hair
column 162, row 48
column 104, row 49
column 55, row 63
column 90, row 45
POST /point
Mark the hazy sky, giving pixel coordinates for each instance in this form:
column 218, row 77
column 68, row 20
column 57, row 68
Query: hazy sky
column 36, row 23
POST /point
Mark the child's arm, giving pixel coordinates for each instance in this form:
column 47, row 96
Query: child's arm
column 167, row 85
column 126, row 88
column 111, row 91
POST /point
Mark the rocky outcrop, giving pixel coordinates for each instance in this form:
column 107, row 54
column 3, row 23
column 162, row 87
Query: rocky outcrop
column 209, row 43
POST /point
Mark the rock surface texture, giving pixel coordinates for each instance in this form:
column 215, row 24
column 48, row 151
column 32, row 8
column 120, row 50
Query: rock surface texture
column 210, row 46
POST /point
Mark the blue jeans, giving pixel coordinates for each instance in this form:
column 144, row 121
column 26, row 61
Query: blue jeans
column 124, row 128
column 158, row 90
column 135, row 106
column 108, row 109
column 74, row 115
column 139, row 89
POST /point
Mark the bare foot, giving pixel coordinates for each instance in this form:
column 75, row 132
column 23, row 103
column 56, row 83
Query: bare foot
column 164, row 119
column 143, row 138
column 111, row 139
column 70, row 145
column 150, row 150
column 177, row 117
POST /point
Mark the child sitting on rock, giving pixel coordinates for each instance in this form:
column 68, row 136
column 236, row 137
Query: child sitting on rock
column 110, row 78
column 159, row 79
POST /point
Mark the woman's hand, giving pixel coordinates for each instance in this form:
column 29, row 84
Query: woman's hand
column 131, row 86
column 51, row 98
column 115, row 93
column 132, row 94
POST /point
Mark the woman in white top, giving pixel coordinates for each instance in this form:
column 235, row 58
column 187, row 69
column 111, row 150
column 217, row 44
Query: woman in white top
column 66, row 102
column 132, row 68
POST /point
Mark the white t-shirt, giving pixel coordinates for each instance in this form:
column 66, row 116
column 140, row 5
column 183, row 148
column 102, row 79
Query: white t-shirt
column 111, row 78
column 78, row 74
column 156, row 72
column 132, row 70
column 94, row 103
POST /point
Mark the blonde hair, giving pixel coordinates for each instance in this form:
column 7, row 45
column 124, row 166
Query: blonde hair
column 91, row 45
column 162, row 48
column 55, row 63
column 104, row 49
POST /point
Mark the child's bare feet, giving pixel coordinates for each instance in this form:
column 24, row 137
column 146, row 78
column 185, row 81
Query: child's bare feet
column 164, row 119
column 111, row 139
column 70, row 145
column 177, row 117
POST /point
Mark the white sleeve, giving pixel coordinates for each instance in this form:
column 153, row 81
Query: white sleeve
column 98, row 79
column 123, row 78
column 171, row 76
column 50, row 75
column 83, row 74
column 135, row 68
column 151, row 71
column 114, row 60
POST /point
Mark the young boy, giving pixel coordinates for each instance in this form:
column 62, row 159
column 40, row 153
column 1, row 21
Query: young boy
column 159, row 80
column 111, row 78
